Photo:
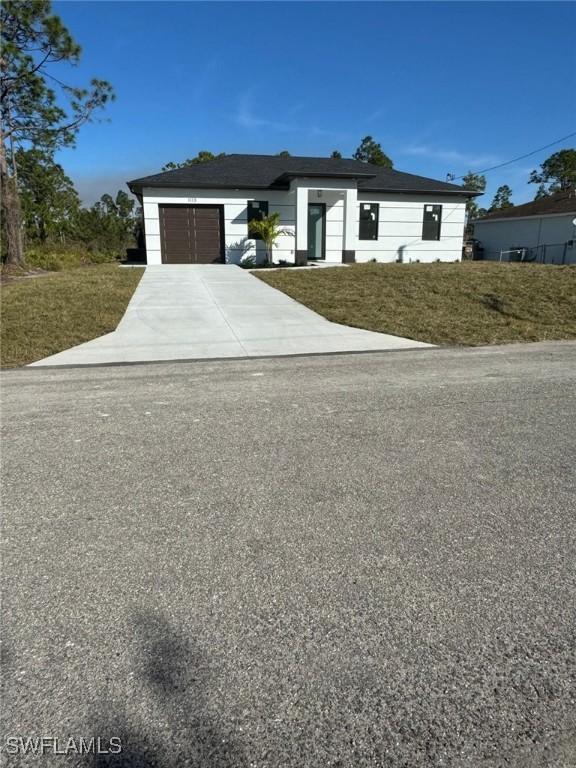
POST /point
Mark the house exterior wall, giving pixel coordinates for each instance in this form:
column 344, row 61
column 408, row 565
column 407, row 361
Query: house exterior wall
column 399, row 229
column 551, row 231
column 237, row 244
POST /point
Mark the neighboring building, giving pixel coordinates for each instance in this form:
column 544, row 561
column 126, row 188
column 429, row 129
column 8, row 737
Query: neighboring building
column 332, row 209
column 543, row 231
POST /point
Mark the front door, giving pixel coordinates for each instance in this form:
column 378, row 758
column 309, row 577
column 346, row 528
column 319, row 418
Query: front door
column 316, row 231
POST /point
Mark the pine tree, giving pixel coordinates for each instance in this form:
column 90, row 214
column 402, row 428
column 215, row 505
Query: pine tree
column 32, row 112
column 502, row 198
column 370, row 151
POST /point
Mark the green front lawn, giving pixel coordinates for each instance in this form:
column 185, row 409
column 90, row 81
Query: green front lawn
column 45, row 314
column 468, row 303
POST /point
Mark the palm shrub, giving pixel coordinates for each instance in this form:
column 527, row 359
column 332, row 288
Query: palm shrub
column 268, row 228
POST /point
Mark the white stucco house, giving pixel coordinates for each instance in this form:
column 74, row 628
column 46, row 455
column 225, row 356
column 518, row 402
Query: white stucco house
column 543, row 231
column 334, row 210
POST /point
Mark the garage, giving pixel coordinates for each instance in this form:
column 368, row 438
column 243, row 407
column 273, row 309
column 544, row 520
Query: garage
column 191, row 234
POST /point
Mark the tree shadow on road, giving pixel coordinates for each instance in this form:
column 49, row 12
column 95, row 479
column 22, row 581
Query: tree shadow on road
column 173, row 725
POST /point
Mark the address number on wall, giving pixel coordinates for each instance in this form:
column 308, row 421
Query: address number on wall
column 191, row 200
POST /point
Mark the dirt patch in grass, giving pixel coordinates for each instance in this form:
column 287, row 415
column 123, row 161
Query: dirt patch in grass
column 463, row 303
column 43, row 316
column 14, row 276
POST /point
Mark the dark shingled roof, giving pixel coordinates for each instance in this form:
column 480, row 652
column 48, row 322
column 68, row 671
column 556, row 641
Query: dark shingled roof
column 274, row 172
column 561, row 202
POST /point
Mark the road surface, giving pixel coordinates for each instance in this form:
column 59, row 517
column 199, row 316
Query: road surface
column 356, row 560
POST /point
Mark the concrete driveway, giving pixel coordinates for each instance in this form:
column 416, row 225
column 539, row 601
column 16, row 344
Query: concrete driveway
column 181, row 312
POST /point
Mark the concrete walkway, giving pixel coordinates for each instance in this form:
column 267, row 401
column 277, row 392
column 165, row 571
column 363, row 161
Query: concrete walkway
column 181, row 312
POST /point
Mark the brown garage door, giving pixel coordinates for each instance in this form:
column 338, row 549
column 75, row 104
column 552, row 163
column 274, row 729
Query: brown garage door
column 190, row 234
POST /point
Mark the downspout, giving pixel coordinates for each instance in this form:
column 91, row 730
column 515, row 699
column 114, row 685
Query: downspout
column 538, row 240
column 539, row 232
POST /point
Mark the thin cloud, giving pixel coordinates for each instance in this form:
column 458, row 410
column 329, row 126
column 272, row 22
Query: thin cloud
column 521, row 173
column 247, row 118
column 375, row 115
column 204, row 77
column 449, row 156
column 327, row 133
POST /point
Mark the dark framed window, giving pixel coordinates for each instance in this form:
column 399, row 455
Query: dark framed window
column 368, row 221
column 257, row 209
column 432, row 222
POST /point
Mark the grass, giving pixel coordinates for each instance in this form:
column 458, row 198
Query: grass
column 468, row 303
column 45, row 314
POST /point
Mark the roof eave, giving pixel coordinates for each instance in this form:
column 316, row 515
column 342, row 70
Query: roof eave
column 136, row 187
column 140, row 185
column 516, row 216
column 457, row 192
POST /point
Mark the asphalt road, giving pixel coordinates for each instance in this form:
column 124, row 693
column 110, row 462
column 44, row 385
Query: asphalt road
column 363, row 560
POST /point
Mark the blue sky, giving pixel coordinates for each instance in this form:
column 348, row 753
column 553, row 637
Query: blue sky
column 444, row 87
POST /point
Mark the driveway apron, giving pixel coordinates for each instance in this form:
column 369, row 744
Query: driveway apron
column 187, row 312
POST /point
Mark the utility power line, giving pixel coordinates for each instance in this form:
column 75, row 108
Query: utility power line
column 515, row 160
